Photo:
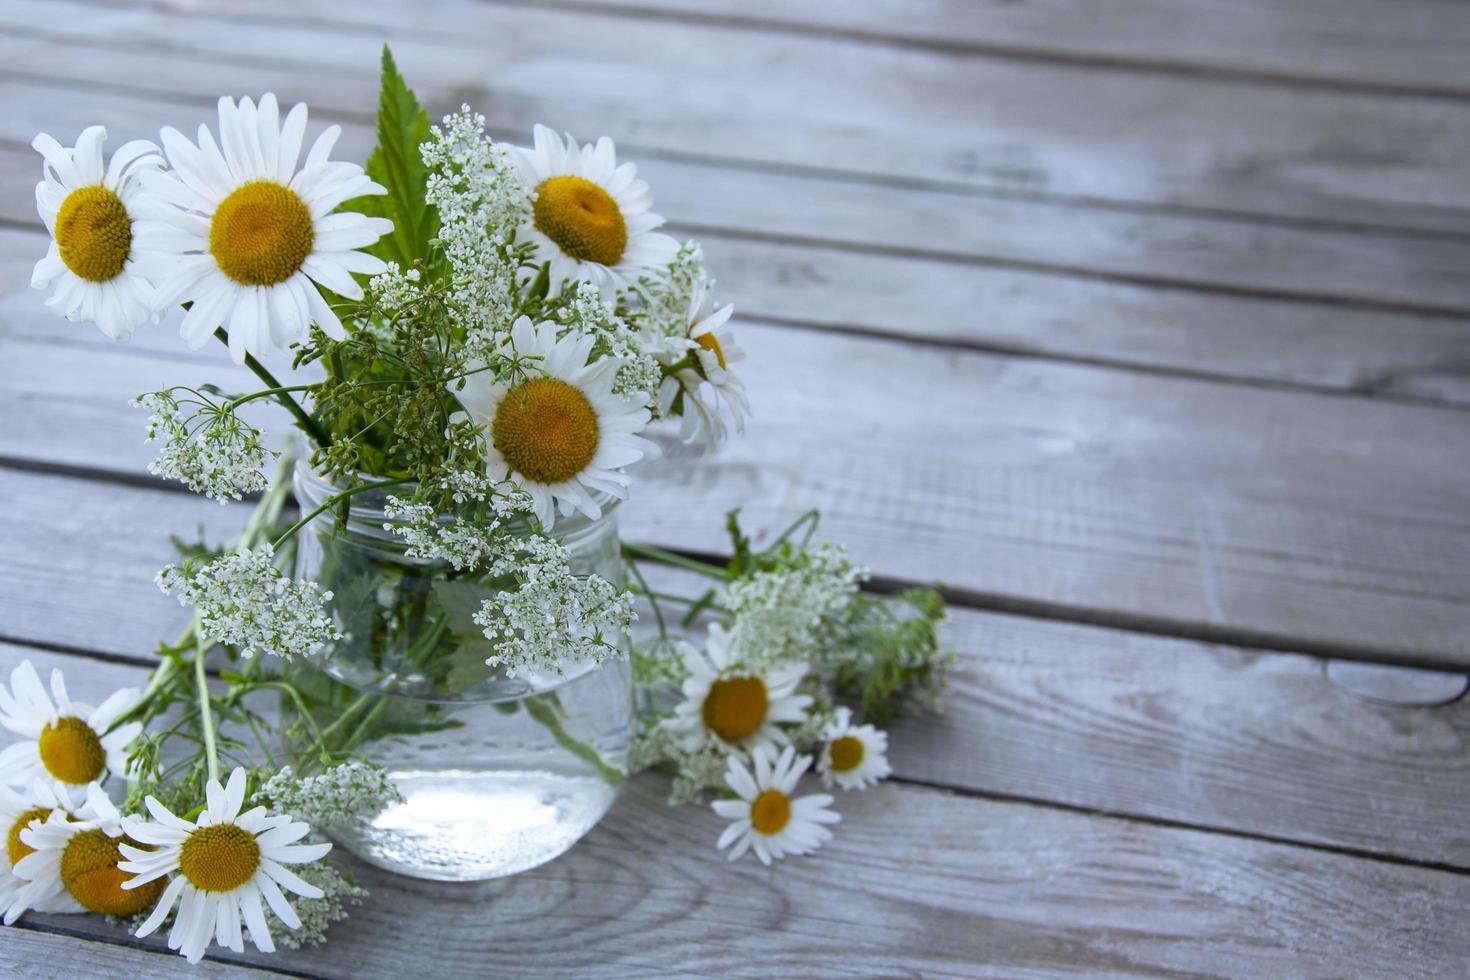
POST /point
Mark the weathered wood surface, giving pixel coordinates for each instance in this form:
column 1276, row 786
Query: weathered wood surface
column 1090, row 220
column 888, row 113
column 918, row 881
column 45, row 956
column 694, row 182
column 1152, row 727
column 1416, row 46
column 1281, row 518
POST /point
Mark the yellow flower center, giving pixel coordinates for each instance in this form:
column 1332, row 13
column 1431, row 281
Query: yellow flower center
column 734, row 707
column 15, row 848
column 581, row 218
column 546, row 430
column 710, row 342
column 261, row 234
column 93, row 233
column 847, row 753
column 770, row 812
column 219, row 858
column 90, row 873
column 71, row 751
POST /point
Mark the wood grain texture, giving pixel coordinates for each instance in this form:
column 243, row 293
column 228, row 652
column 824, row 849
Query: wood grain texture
column 1093, row 718
column 1285, row 340
column 917, row 881
column 1389, row 269
column 1259, row 743
column 1416, row 46
column 886, row 114
column 47, row 956
column 1279, row 518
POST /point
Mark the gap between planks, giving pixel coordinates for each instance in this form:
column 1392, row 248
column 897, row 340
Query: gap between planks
column 1214, row 202
column 950, row 788
column 1133, row 62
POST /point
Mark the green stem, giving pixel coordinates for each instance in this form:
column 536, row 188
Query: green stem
column 312, row 427
column 362, row 726
column 653, row 598
column 333, row 499
column 650, row 553
column 546, row 715
column 206, row 715
column 235, row 403
column 342, row 718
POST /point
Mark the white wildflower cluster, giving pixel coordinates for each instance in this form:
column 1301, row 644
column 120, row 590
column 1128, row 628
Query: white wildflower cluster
column 664, row 314
column 316, row 914
column 779, row 613
column 639, row 371
column 694, row 771
column 244, row 600
column 466, row 485
column 480, row 201
column 334, row 796
column 395, row 290
column 465, row 545
column 554, row 617
column 205, row 446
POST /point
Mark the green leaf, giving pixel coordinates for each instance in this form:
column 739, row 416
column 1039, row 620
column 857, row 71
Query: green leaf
column 397, row 164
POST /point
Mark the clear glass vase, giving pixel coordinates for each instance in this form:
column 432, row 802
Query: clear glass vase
column 497, row 774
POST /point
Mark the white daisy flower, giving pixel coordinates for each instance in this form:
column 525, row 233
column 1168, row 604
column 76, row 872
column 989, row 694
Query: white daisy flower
column 75, row 861
column 590, row 218
column 710, row 352
column 92, row 214
column 65, row 740
column 242, row 234
column 765, row 818
column 19, row 811
column 561, row 433
column 735, row 706
column 854, row 756
column 222, row 866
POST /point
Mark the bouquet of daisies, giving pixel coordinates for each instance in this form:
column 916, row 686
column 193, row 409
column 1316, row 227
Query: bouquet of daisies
column 477, row 336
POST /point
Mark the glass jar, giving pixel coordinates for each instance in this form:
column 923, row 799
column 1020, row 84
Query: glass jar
column 497, row 774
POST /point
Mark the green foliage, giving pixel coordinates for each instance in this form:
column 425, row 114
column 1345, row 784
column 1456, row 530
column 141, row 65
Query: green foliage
column 397, row 164
column 887, row 656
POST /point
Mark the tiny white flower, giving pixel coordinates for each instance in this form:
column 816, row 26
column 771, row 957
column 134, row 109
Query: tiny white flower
column 244, row 600
column 735, row 704
column 211, row 451
column 766, row 818
column 853, row 756
column 222, row 866
column 68, row 741
column 92, row 215
column 342, row 793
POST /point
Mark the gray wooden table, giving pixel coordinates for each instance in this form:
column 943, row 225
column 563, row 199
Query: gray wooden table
column 1144, row 326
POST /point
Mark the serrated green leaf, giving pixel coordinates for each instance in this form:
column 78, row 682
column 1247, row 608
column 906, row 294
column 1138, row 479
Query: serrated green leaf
column 397, row 164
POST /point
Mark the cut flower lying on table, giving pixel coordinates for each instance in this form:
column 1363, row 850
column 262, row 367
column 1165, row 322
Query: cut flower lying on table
column 494, row 334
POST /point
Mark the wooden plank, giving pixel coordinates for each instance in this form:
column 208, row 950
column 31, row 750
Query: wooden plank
column 48, row 956
column 1286, row 341
column 1139, row 246
column 1089, row 717
column 1416, row 46
column 1230, row 337
column 915, row 881
column 1202, row 734
column 1310, row 522
column 906, row 115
